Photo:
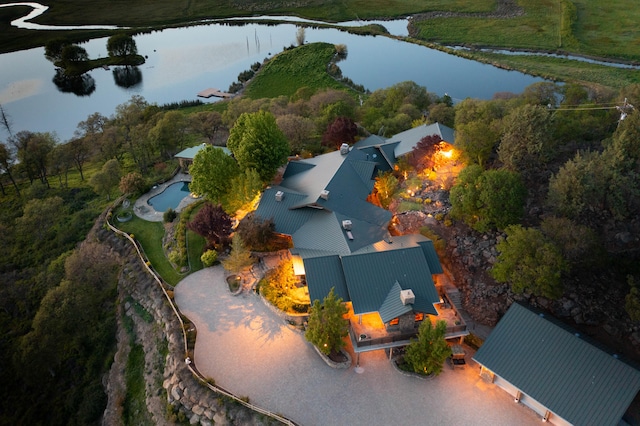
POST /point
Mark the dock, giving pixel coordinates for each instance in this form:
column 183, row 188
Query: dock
column 207, row 93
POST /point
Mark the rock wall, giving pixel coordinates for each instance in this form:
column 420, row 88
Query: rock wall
column 173, row 393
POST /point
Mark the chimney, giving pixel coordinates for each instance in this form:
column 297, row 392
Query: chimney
column 344, row 149
column 324, row 194
column 279, row 195
column 407, row 297
column 346, row 224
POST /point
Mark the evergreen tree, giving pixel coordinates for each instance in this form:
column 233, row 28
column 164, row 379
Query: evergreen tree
column 427, row 353
column 327, row 326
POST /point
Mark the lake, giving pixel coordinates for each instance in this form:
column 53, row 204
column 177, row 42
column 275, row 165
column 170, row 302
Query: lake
column 184, row 61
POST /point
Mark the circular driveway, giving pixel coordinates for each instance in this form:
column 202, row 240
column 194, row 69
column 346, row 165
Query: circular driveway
column 249, row 350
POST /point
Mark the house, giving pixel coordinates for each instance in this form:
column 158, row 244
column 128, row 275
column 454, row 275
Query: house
column 186, row 156
column 385, row 152
column 556, row 371
column 341, row 241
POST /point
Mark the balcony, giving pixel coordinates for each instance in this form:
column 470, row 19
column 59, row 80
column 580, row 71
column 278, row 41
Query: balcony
column 368, row 333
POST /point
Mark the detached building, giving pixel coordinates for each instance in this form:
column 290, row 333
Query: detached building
column 556, row 372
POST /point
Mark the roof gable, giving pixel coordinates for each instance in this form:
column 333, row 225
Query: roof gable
column 410, row 138
column 392, row 307
column 323, row 273
column 571, row 377
column 370, row 276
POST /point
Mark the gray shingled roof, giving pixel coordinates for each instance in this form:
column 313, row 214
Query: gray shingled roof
column 571, row 377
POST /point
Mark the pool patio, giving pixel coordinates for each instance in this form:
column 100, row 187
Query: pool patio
column 145, row 211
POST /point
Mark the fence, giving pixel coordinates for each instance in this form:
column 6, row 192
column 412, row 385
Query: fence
column 190, row 364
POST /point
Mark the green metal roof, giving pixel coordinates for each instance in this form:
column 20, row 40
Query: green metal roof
column 392, row 307
column 431, row 255
column 558, row 368
column 371, row 275
column 323, row 273
column 410, row 138
column 286, row 221
column 190, row 153
column 372, row 140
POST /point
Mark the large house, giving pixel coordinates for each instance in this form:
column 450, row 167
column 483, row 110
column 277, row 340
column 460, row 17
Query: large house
column 556, row 371
column 341, row 241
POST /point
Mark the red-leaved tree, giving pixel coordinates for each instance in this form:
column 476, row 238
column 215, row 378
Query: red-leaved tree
column 421, row 156
column 341, row 130
column 213, row 224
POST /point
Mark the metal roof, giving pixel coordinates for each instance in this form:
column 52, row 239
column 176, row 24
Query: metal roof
column 322, row 274
column 371, row 275
column 286, row 221
column 410, row 138
column 190, row 153
column 431, row 255
column 372, row 140
column 558, row 368
column 392, row 307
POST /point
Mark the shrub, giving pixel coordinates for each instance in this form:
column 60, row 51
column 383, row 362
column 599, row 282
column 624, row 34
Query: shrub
column 209, row 257
column 169, row 215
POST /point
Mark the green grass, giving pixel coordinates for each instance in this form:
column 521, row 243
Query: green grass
column 149, row 234
column 304, row 66
column 135, row 408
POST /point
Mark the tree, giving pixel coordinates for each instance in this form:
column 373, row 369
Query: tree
column 169, row 133
column 239, row 258
column 33, row 153
column 121, row 45
column 578, row 243
column 427, row 353
column 106, row 179
column 60, row 162
column 327, row 326
column 297, row 129
column 257, row 143
column 212, row 223
column 7, row 162
column 132, row 183
column 39, row 218
column 73, row 53
column 256, row 232
column 421, row 156
column 527, row 140
column 212, row 172
column 500, row 199
column 464, row 194
column 385, row 186
column 632, row 300
column 79, row 151
column 205, row 123
column 530, row 262
column 341, row 130
column 243, row 192
column 5, row 121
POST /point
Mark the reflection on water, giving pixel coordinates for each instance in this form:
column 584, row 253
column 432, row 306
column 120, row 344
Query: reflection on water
column 80, row 85
column 127, row 76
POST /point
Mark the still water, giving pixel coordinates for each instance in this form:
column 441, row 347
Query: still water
column 183, row 61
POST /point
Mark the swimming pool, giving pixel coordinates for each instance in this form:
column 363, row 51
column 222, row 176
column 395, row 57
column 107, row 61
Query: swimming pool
column 170, row 197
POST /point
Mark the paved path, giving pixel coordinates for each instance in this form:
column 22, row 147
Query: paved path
column 248, row 350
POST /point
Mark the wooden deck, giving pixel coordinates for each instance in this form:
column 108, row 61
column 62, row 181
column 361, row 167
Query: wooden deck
column 207, row 93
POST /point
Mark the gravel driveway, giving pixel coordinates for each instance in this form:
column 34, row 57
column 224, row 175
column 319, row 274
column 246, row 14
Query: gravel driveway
column 251, row 352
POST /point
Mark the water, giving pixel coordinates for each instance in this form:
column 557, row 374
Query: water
column 183, row 61
column 170, row 198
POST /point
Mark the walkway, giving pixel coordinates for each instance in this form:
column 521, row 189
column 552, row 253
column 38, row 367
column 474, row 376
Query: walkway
column 250, row 351
column 144, row 210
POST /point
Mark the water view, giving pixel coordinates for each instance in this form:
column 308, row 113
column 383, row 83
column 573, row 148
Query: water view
column 184, row 61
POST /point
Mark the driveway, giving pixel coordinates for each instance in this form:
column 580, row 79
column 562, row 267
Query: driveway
column 250, row 351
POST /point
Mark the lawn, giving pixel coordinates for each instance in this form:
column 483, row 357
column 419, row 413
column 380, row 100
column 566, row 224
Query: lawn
column 304, row 66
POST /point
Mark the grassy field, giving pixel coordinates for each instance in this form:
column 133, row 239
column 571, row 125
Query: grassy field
column 304, row 66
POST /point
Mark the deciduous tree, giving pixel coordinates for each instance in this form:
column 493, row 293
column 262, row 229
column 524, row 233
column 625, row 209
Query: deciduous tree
column 243, row 192
column 530, row 262
column 212, row 223
column 106, row 179
column 327, row 326
column 239, row 258
column 121, row 45
column 341, row 130
column 212, row 172
column 421, row 156
column 132, row 183
column 257, row 143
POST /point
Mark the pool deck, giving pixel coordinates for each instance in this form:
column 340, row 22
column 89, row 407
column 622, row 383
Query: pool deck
column 145, row 211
